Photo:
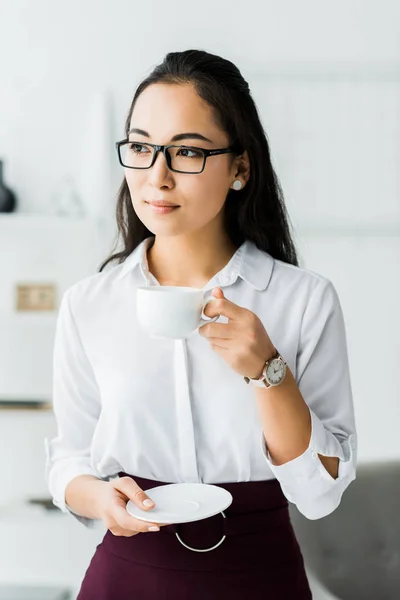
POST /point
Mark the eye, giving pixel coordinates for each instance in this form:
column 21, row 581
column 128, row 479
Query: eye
column 138, row 148
column 187, row 152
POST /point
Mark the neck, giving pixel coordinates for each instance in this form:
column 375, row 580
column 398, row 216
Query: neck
column 189, row 261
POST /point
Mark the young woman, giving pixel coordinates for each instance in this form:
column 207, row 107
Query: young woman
column 259, row 402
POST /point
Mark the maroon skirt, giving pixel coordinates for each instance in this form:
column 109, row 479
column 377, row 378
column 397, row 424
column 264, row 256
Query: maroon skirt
column 254, row 552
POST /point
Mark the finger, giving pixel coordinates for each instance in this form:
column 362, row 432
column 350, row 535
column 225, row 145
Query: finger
column 126, row 521
column 222, row 306
column 120, row 502
column 130, row 488
column 217, row 292
column 120, row 532
column 218, row 344
column 224, row 331
column 223, row 352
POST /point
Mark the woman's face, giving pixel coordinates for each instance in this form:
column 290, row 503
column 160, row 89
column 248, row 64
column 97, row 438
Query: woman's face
column 164, row 111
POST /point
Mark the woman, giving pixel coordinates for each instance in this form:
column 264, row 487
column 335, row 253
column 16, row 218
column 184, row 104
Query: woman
column 134, row 412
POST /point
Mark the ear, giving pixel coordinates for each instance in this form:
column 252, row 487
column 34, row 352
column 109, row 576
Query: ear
column 242, row 166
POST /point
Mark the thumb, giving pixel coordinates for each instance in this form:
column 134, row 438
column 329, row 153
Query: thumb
column 130, row 488
column 218, row 293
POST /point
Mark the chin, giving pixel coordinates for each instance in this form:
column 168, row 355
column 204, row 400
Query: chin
column 161, row 228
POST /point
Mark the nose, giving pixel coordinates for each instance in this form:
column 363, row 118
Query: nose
column 159, row 174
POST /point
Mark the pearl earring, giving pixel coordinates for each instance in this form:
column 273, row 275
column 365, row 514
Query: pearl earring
column 237, row 185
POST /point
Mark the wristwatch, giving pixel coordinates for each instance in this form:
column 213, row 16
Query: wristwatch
column 273, row 373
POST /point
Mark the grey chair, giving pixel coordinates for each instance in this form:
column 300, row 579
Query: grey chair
column 355, row 551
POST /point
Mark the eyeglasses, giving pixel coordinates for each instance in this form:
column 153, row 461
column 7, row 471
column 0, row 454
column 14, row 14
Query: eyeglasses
column 180, row 159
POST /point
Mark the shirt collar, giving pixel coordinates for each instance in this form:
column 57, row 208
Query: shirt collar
column 253, row 265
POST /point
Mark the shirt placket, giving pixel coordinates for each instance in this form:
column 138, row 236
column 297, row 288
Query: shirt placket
column 184, row 415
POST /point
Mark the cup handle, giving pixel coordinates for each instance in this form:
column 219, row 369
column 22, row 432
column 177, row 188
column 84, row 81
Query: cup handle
column 207, row 320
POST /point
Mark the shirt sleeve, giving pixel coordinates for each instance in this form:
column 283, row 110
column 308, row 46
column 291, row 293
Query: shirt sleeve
column 323, row 378
column 76, row 406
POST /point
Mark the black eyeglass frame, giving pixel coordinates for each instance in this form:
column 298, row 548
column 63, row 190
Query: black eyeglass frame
column 164, row 149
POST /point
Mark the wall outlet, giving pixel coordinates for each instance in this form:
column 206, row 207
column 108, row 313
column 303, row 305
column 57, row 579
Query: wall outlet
column 36, row 296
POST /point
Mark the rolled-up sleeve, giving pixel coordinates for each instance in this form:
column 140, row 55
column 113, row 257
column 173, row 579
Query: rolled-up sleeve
column 76, row 405
column 323, row 378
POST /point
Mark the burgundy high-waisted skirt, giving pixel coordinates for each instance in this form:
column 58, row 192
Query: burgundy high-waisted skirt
column 259, row 558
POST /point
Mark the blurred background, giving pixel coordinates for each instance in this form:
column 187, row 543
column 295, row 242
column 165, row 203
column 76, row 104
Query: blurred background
column 326, row 79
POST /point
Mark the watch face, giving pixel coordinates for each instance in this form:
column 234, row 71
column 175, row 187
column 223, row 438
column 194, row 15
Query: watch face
column 276, row 371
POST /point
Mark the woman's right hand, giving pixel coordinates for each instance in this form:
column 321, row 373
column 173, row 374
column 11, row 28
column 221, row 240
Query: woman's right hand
column 112, row 507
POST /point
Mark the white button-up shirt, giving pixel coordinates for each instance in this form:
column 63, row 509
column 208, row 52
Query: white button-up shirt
column 173, row 410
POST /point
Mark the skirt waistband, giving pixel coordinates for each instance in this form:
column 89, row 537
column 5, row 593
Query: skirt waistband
column 256, row 534
column 257, row 506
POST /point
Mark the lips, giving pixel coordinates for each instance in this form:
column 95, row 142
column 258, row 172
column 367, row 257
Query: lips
column 162, row 209
column 161, row 203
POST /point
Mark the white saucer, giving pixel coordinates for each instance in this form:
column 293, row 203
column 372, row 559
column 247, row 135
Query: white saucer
column 182, row 503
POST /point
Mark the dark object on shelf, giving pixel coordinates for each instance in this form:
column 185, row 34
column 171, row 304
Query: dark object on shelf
column 46, row 503
column 25, row 404
column 8, row 201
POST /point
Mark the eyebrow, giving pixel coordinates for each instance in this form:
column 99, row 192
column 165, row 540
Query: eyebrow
column 178, row 137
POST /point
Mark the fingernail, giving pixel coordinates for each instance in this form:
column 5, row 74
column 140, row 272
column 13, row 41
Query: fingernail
column 154, row 528
column 148, row 502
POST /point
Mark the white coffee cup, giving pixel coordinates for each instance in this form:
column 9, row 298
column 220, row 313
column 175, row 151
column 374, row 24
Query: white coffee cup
column 171, row 311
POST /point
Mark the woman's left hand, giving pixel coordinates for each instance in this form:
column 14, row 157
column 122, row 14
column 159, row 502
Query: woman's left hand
column 242, row 342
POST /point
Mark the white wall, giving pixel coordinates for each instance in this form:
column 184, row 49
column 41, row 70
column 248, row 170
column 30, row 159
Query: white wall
column 55, row 56
column 56, row 59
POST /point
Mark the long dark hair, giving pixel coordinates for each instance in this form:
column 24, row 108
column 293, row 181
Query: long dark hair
column 257, row 212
